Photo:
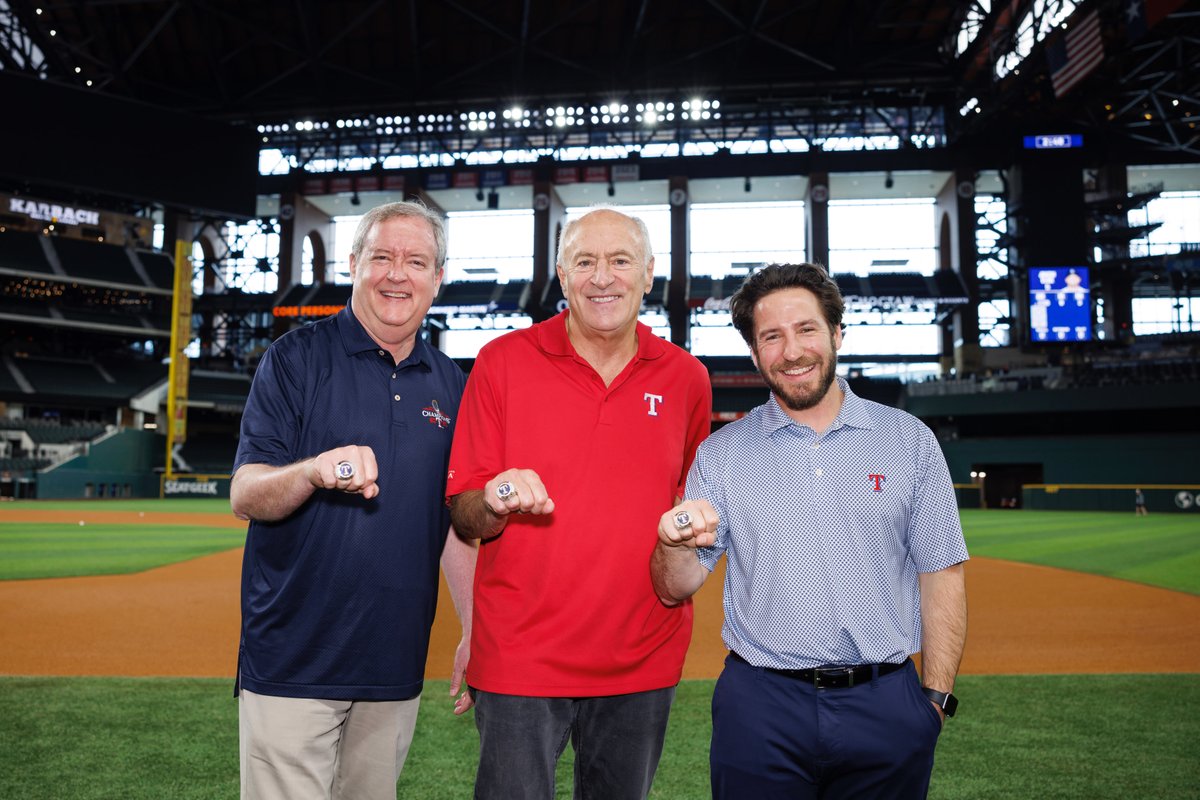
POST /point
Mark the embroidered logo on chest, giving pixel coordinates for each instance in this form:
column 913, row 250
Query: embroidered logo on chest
column 434, row 415
column 878, row 481
column 653, row 400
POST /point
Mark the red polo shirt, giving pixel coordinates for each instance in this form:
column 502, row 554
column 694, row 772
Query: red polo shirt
column 563, row 602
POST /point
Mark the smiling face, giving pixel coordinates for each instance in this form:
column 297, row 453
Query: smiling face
column 605, row 270
column 395, row 277
column 795, row 350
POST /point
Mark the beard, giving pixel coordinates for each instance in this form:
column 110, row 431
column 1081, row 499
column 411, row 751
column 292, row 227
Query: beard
column 799, row 398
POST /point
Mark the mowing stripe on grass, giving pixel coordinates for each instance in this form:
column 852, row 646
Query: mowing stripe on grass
column 1160, row 550
column 1072, row 737
column 182, row 505
column 49, row 550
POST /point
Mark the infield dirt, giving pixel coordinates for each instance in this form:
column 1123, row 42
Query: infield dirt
column 182, row 619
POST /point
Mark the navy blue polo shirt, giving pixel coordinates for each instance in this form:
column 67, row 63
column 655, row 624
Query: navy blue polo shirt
column 338, row 599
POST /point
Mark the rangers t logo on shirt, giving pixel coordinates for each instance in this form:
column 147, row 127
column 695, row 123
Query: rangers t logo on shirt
column 654, row 400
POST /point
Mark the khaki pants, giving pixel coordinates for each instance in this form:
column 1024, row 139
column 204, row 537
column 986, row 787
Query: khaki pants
column 302, row 749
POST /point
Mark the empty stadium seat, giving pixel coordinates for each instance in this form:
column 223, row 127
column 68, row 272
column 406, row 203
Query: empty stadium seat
column 22, row 252
column 99, row 262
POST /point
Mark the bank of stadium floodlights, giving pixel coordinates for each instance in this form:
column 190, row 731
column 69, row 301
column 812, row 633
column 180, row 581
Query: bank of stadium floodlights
column 582, row 130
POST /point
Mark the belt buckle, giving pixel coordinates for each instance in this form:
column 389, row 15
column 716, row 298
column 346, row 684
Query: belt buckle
column 831, row 678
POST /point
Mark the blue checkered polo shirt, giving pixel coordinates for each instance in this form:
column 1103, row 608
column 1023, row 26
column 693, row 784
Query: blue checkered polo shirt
column 825, row 533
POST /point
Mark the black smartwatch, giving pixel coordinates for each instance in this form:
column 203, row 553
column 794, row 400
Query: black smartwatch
column 947, row 702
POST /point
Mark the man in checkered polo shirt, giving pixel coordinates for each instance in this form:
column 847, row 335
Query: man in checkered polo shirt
column 845, row 557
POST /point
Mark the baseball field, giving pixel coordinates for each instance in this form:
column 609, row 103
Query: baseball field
column 118, row 635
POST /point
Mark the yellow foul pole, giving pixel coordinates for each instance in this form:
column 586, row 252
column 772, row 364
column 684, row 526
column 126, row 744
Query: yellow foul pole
column 181, row 336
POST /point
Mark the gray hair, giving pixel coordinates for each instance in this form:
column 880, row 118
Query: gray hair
column 642, row 231
column 408, row 208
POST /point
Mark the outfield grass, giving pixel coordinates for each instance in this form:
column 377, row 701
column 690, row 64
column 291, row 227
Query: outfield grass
column 51, row 550
column 1062, row 736
column 57, row 550
column 1159, row 549
column 174, row 505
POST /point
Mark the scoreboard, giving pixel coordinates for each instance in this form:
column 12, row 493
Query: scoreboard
column 1060, row 304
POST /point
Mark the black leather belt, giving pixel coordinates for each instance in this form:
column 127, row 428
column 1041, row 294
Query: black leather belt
column 831, row 677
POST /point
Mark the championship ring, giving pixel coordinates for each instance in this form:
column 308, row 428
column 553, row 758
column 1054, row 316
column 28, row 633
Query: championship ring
column 505, row 491
column 683, row 520
column 344, row 470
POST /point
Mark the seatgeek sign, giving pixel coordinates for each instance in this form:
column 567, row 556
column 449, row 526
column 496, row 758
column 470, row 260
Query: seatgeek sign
column 51, row 212
column 194, row 486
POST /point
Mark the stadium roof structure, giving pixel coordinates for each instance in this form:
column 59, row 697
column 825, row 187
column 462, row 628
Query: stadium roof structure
column 823, row 66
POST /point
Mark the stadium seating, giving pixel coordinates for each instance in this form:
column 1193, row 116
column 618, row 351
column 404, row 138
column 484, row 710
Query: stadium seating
column 97, row 262
column 22, row 252
column 23, row 464
column 159, row 268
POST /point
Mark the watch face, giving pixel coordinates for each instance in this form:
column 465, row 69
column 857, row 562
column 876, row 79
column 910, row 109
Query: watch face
column 944, row 700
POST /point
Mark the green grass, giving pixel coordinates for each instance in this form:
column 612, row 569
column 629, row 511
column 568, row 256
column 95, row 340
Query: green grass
column 181, row 505
column 57, row 550
column 1095, row 736
column 51, row 550
column 1159, row 549
column 1061, row 736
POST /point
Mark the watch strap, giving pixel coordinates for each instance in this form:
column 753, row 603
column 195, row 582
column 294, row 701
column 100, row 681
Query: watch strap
column 947, row 702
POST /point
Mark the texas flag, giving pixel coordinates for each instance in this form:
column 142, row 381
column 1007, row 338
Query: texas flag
column 1072, row 57
column 1140, row 16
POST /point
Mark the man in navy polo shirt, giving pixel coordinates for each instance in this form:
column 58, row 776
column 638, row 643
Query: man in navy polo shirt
column 341, row 470
column 844, row 547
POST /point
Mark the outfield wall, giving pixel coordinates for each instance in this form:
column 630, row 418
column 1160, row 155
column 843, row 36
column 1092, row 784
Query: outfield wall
column 1111, row 497
column 1083, row 473
column 1099, row 459
column 123, row 464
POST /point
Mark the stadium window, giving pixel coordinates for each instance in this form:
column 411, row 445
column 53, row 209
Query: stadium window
column 494, row 246
column 1177, row 212
column 869, row 236
column 197, row 268
column 306, row 261
column 991, row 214
column 874, row 236
column 1159, row 315
column 250, row 248
column 338, row 267
column 995, row 328
column 488, row 247
column 731, row 239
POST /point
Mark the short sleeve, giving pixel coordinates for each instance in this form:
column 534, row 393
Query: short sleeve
column 271, row 418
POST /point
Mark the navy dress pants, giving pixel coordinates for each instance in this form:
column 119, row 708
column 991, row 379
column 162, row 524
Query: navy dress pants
column 776, row 736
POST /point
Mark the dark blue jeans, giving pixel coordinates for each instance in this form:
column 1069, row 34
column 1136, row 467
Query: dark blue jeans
column 618, row 741
column 778, row 737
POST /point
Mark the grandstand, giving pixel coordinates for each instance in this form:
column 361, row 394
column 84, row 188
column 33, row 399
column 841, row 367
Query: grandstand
column 943, row 316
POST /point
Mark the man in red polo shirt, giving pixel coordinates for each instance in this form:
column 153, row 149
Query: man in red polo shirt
column 573, row 437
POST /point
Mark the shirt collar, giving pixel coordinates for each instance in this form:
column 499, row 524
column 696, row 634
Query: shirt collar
column 356, row 340
column 553, row 339
column 853, row 412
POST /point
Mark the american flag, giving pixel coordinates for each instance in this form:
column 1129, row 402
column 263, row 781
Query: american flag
column 1072, row 57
